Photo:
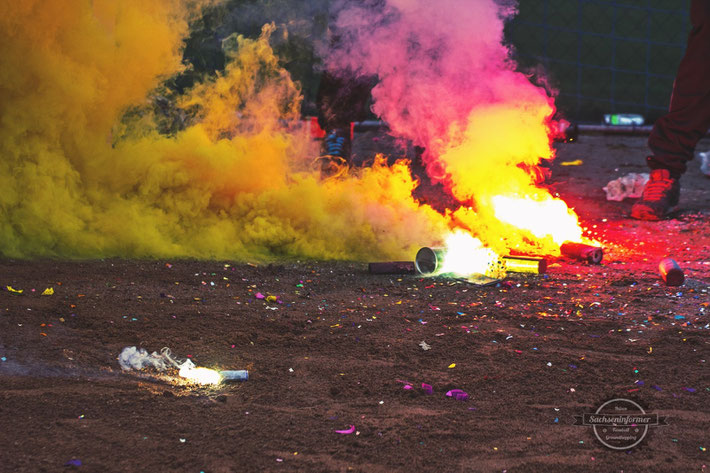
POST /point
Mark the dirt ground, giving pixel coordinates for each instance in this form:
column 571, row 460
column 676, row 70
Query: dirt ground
column 339, row 346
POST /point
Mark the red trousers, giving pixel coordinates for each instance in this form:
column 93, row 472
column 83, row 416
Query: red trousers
column 676, row 134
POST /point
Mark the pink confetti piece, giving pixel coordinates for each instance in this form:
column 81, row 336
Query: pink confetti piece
column 259, row 295
column 346, row 431
column 407, row 387
column 427, row 388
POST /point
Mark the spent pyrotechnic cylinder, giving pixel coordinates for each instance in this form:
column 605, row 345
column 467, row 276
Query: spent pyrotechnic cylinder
column 524, row 264
column 671, row 272
column 429, row 260
column 234, row 375
column 580, row 251
column 392, row 267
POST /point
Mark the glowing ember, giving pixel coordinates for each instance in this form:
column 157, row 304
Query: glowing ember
column 189, row 371
column 546, row 218
column 466, row 255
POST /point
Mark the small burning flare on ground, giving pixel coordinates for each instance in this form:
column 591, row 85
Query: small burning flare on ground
column 132, row 358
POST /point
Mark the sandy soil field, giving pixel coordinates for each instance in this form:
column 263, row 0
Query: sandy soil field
column 339, row 346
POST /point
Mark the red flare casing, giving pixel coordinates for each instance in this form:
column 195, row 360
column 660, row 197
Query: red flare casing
column 580, row 251
column 671, row 272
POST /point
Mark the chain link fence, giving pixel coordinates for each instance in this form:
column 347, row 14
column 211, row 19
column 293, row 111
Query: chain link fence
column 603, row 56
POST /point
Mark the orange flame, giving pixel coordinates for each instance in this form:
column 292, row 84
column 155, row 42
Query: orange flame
column 544, row 217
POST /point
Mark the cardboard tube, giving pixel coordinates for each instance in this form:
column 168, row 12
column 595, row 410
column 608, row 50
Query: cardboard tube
column 671, row 272
column 234, row 375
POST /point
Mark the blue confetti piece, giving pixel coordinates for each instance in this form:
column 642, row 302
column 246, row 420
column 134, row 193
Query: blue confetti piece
column 680, row 317
column 3, row 359
column 74, row 462
column 557, row 420
column 657, row 388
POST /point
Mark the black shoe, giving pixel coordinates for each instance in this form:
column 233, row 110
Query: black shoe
column 660, row 196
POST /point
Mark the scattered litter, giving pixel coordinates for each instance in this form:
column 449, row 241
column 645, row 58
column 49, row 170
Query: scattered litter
column 259, row 295
column 73, row 462
column 452, row 365
column 48, row 292
column 630, row 185
column 427, row 388
column 14, row 291
column 425, row 346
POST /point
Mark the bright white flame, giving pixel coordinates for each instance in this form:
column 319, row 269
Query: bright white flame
column 466, row 255
column 197, row 375
column 543, row 218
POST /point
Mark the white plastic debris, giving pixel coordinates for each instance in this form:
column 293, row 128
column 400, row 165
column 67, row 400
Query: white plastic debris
column 705, row 163
column 630, row 185
column 425, row 346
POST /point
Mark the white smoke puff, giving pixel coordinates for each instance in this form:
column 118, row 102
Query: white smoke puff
column 132, row 358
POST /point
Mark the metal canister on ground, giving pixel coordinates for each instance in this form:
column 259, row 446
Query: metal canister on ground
column 524, row 264
column 671, row 272
column 429, row 260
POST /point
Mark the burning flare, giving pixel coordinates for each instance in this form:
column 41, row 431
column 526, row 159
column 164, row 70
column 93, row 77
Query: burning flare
column 192, row 373
column 544, row 218
column 466, row 255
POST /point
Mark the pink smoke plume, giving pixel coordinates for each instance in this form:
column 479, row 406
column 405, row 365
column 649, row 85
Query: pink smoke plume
column 437, row 63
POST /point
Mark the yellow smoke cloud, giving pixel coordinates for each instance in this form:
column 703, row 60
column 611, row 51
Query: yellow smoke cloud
column 75, row 182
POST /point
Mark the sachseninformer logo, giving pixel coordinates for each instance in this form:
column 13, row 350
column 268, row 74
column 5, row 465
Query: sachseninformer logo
column 620, row 424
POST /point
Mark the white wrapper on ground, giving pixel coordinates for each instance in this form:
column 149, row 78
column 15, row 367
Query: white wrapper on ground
column 705, row 163
column 132, row 358
column 630, row 185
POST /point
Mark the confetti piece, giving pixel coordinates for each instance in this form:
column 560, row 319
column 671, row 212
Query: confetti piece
column 457, row 394
column 576, row 162
column 346, row 431
column 48, row 292
column 14, row 291
column 73, row 462
column 407, row 387
column 452, row 365
column 271, row 298
column 427, row 388
column 259, row 295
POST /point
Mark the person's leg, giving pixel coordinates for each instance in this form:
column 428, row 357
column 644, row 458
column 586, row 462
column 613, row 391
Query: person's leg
column 676, row 134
